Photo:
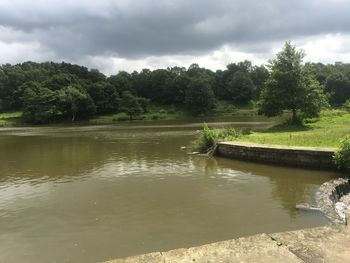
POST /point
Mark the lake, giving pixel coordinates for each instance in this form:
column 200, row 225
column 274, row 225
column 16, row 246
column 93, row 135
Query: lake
column 93, row 193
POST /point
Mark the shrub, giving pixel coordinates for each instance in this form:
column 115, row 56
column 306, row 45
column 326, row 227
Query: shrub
column 346, row 105
column 172, row 110
column 155, row 116
column 121, row 117
column 206, row 143
column 342, row 155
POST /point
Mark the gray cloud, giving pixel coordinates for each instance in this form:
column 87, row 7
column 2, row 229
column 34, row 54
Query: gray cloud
column 141, row 28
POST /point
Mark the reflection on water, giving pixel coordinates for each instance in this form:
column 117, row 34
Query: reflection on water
column 87, row 194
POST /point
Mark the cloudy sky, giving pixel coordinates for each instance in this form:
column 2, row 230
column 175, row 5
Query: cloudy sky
column 114, row 35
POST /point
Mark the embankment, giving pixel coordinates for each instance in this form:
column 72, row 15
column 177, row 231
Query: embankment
column 311, row 157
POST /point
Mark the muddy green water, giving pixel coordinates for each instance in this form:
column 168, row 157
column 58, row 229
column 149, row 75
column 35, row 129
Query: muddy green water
column 88, row 194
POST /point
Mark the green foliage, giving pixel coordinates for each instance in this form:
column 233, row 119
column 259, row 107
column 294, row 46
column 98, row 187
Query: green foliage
column 346, row 105
column 200, row 98
column 130, row 104
column 10, row 118
column 40, row 105
column 291, row 87
column 105, row 97
column 338, row 85
column 10, row 115
column 121, row 117
column 75, row 103
column 342, row 155
column 241, row 88
column 206, row 143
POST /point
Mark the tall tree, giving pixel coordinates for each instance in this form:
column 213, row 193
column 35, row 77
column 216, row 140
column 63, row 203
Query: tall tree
column 40, row 104
column 241, row 88
column 338, row 85
column 291, row 87
column 76, row 103
column 200, row 97
column 130, row 104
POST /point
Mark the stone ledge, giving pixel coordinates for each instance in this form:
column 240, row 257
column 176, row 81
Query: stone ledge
column 312, row 157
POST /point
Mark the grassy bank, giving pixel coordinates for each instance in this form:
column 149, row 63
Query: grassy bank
column 10, row 118
column 326, row 131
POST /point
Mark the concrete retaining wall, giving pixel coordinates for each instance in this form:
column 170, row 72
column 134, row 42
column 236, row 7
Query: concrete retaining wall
column 292, row 156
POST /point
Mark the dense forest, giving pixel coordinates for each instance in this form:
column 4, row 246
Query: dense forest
column 50, row 92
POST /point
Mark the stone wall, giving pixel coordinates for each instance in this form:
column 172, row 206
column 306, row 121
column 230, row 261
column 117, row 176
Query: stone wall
column 321, row 158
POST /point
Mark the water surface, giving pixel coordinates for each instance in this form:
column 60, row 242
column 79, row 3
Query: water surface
column 92, row 193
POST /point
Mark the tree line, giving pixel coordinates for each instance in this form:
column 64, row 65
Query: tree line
column 51, row 92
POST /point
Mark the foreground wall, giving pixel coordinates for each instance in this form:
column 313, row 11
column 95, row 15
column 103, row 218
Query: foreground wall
column 293, row 156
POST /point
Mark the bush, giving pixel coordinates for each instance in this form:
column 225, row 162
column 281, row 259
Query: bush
column 206, row 143
column 346, row 105
column 121, row 117
column 342, row 155
column 156, row 116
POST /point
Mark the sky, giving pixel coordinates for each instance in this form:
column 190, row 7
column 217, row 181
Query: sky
column 116, row 35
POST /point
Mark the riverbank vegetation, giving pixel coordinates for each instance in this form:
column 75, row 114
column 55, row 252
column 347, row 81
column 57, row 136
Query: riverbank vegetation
column 206, row 142
column 59, row 92
column 342, row 155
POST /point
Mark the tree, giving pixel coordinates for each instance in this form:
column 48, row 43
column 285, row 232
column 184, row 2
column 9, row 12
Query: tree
column 130, row 104
column 40, row 104
column 258, row 75
column 200, row 97
column 105, row 97
column 291, row 87
column 121, row 81
column 241, row 88
column 76, row 103
column 338, row 85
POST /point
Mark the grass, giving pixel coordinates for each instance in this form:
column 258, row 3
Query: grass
column 10, row 118
column 326, row 131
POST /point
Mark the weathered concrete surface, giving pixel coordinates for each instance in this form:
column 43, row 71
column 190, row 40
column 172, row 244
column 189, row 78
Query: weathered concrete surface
column 324, row 244
column 312, row 157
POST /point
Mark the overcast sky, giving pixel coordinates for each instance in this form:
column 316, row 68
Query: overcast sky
column 114, row 35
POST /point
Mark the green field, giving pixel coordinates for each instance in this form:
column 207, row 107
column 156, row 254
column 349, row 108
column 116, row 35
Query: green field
column 326, row 131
